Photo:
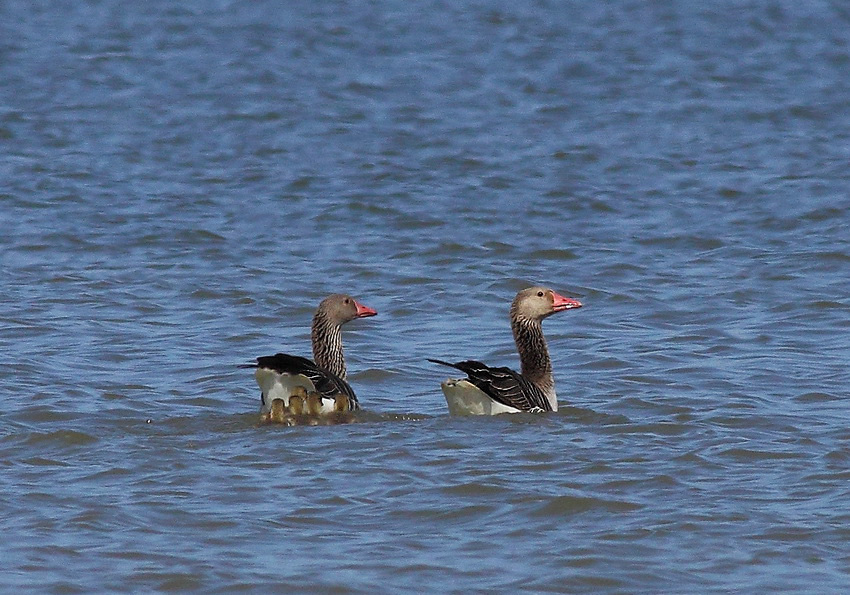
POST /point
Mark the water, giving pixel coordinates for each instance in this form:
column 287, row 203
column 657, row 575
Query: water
column 182, row 183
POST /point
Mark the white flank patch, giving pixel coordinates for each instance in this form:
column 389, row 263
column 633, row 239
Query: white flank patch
column 327, row 406
column 279, row 386
column 464, row 398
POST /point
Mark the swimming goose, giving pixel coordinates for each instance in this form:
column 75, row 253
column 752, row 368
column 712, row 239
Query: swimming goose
column 490, row 391
column 278, row 375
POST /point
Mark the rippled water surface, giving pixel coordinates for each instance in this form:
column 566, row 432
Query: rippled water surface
column 181, row 183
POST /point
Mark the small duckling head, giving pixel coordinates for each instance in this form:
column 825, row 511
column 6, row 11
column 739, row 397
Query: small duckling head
column 298, row 391
column 278, row 411
column 296, row 405
column 341, row 403
column 314, row 403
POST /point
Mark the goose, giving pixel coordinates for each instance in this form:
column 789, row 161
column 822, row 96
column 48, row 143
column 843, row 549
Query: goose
column 490, row 391
column 278, row 375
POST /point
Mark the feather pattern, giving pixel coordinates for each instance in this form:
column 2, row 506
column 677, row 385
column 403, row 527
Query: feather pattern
column 325, row 383
column 503, row 385
column 326, row 337
column 536, row 365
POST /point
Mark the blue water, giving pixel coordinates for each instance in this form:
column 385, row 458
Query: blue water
column 181, row 184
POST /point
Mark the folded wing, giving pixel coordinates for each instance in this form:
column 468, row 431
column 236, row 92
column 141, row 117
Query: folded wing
column 503, row 385
column 326, row 384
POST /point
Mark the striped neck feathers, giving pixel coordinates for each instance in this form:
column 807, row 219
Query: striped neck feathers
column 326, row 337
column 533, row 353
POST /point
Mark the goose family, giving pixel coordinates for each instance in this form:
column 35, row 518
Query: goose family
column 323, row 378
column 292, row 386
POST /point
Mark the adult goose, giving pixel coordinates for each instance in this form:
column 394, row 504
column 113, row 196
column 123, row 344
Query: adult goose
column 278, row 375
column 490, row 391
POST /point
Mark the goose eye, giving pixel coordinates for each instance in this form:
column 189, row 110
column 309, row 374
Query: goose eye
column 347, row 301
column 539, row 294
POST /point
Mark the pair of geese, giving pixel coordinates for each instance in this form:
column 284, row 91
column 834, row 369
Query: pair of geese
column 293, row 385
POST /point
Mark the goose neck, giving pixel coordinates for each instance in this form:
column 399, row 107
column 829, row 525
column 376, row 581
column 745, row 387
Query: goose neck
column 326, row 337
column 533, row 353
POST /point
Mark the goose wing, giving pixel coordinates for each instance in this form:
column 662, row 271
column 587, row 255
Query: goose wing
column 503, row 385
column 325, row 383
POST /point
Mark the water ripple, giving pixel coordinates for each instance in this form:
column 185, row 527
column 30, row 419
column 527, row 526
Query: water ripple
column 182, row 184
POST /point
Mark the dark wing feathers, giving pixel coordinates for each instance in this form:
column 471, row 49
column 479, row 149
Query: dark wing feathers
column 503, row 385
column 327, row 384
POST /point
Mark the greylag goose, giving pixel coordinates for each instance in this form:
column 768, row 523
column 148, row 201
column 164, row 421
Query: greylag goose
column 278, row 375
column 490, row 391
